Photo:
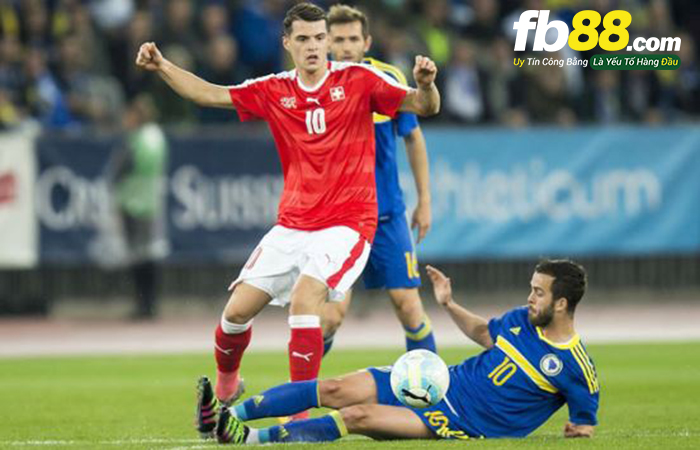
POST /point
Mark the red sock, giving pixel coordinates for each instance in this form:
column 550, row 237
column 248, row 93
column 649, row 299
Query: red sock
column 305, row 353
column 228, row 352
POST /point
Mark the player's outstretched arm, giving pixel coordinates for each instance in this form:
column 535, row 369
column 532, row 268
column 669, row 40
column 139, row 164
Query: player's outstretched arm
column 425, row 100
column 572, row 430
column 185, row 83
column 475, row 327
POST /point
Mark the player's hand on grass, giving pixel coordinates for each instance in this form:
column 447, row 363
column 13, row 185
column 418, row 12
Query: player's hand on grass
column 149, row 57
column 575, row 431
column 424, row 71
column 442, row 286
column 422, row 219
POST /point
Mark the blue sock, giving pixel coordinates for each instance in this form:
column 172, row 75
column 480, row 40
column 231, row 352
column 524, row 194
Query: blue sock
column 283, row 400
column 421, row 337
column 327, row 343
column 326, row 428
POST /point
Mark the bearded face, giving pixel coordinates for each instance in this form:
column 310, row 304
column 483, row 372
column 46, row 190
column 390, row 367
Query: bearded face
column 542, row 316
column 540, row 303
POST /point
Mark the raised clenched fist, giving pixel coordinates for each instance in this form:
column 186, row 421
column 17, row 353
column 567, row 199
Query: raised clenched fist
column 149, row 57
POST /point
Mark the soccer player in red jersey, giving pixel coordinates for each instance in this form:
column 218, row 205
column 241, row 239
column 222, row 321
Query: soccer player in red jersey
column 320, row 115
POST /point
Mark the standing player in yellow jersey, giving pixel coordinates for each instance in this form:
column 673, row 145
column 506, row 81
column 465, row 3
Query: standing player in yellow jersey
column 392, row 262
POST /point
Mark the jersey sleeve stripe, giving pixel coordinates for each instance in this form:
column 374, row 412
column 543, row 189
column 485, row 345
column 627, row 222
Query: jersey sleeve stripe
column 384, row 76
column 249, row 81
column 585, row 374
column 587, row 362
column 391, row 70
column 586, row 371
column 525, row 365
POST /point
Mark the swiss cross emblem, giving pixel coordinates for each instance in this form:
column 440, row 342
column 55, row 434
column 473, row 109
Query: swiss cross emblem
column 337, row 93
column 288, row 102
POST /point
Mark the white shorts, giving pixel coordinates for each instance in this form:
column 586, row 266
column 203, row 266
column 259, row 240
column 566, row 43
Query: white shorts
column 335, row 256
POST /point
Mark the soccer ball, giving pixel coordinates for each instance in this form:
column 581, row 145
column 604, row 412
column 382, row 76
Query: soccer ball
column 420, row 379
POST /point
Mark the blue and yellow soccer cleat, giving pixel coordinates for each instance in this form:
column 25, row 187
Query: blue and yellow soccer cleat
column 229, row 429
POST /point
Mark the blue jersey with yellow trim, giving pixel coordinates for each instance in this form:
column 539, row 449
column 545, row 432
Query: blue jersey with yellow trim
column 514, row 387
column 389, row 195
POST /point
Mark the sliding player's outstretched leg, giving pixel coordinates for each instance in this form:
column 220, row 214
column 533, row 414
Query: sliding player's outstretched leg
column 290, row 398
column 357, row 389
column 375, row 421
column 283, row 400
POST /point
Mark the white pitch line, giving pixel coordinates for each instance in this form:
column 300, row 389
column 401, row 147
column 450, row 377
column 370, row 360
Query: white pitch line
column 180, row 444
column 68, row 443
column 190, row 447
column 30, row 443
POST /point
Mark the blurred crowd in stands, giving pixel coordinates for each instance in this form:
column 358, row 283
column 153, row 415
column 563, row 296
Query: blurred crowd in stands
column 67, row 64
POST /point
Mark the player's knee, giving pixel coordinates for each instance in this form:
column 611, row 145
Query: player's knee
column 233, row 315
column 331, row 393
column 356, row 417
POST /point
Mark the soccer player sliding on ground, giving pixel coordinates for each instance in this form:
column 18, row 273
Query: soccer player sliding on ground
column 320, row 115
column 534, row 363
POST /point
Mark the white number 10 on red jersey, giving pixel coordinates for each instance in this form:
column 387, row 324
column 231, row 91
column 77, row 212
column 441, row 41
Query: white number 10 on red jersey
column 316, row 121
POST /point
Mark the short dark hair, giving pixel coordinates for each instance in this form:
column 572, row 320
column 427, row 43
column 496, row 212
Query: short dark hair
column 570, row 280
column 308, row 12
column 342, row 14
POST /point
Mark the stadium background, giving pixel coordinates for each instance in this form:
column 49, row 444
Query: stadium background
column 600, row 166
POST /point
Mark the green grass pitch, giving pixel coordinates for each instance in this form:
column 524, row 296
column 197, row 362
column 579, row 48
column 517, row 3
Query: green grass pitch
column 650, row 398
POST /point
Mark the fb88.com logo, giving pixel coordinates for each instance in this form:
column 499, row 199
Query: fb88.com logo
column 581, row 28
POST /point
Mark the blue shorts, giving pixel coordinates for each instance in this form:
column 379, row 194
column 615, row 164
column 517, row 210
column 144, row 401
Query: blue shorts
column 392, row 262
column 441, row 419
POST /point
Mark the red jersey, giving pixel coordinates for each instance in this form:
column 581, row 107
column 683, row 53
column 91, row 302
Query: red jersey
column 325, row 140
